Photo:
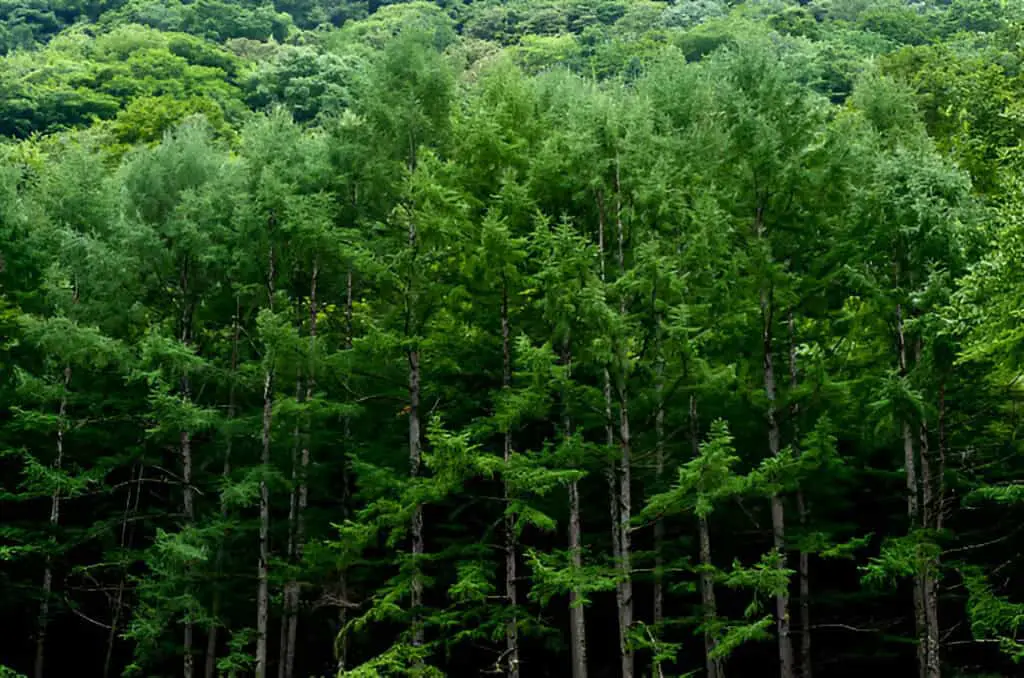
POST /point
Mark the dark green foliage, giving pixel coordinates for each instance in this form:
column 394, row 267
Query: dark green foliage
column 401, row 293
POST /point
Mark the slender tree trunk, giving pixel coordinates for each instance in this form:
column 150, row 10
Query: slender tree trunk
column 803, row 568
column 709, row 605
column 341, row 646
column 786, row 664
column 939, row 507
column 414, row 471
column 940, row 513
column 576, row 611
column 289, row 603
column 293, row 592
column 512, row 626
column 611, row 470
column 659, row 475
column 211, row 639
column 262, row 570
column 806, row 663
column 188, row 668
column 929, row 565
column 58, row 464
column 577, row 615
column 131, row 508
column 299, row 499
column 929, row 582
column 913, row 508
column 415, row 443
column 625, row 509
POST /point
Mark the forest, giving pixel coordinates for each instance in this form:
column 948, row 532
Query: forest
column 520, row 338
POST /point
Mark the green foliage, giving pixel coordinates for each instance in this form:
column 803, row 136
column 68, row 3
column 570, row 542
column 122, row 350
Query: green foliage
column 405, row 290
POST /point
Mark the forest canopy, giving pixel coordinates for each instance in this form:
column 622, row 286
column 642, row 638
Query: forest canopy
column 608, row 338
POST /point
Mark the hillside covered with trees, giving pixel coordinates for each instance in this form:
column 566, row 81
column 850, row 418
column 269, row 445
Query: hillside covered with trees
column 528, row 338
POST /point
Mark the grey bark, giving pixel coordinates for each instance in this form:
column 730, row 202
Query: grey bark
column 44, row 605
column 511, row 594
column 131, row 507
column 803, row 567
column 577, row 615
column 300, row 499
column 913, row 505
column 786, row 663
column 262, row 570
column 625, row 494
column 341, row 646
column 212, row 637
column 709, row 605
column 929, row 565
column 659, row 474
column 188, row 669
column 415, row 453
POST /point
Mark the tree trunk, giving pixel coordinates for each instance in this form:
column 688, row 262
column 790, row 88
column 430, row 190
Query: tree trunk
column 44, row 605
column 511, row 627
column 930, row 589
column 940, row 513
column 262, row 591
column 709, row 606
column 806, row 663
column 803, row 568
column 414, row 471
column 611, row 470
column 288, row 602
column 300, row 499
column 625, row 493
column 341, row 646
column 577, row 615
column 929, row 565
column 188, row 668
column 913, row 509
column 786, row 665
column 659, row 474
column 131, row 508
column 211, row 639
column 576, row 612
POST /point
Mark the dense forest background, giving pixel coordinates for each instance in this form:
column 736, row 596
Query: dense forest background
column 525, row 338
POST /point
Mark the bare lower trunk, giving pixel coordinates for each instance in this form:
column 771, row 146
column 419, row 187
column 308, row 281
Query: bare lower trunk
column 659, row 474
column 920, row 619
column 940, row 511
column 414, row 470
column 188, row 668
column 938, row 516
column 709, row 605
column 211, row 639
column 302, row 500
column 185, row 329
column 929, row 565
column 913, row 507
column 262, row 573
column 131, row 507
column 625, row 463
column 786, row 664
column 576, row 612
column 625, row 514
column 511, row 594
column 341, row 646
column 290, row 594
column 806, row 663
column 262, row 569
column 803, row 567
column 577, row 615
column 44, row 605
column 708, row 602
